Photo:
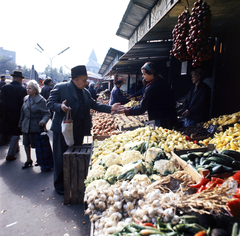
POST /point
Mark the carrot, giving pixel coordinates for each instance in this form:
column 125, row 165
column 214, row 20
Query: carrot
column 201, row 233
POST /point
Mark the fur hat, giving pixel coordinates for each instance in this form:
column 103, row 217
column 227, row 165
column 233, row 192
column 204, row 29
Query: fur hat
column 78, row 70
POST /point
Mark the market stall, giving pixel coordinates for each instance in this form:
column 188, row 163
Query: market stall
column 138, row 184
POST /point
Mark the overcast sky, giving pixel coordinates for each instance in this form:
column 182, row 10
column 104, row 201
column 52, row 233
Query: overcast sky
column 57, row 24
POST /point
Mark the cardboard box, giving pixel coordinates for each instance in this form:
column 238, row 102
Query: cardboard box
column 75, row 169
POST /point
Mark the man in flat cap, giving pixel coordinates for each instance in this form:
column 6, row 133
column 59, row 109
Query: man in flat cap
column 72, row 95
column 12, row 98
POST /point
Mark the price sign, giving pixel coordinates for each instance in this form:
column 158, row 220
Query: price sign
column 211, row 129
column 150, row 123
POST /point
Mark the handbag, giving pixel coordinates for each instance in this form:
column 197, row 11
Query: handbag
column 67, row 128
column 44, row 151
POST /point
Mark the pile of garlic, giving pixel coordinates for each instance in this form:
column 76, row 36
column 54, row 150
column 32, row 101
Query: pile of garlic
column 112, row 208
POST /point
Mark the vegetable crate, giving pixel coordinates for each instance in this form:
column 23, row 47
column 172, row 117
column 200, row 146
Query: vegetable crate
column 185, row 166
column 75, row 168
column 101, row 137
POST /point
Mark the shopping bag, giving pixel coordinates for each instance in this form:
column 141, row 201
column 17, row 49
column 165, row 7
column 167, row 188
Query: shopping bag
column 67, row 128
column 44, row 151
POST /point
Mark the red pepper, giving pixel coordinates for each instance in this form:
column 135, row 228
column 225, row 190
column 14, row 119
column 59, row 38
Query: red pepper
column 210, row 184
column 217, row 180
column 201, row 189
column 203, row 181
column 237, row 193
column 236, row 177
column 234, row 206
column 195, row 141
column 149, row 224
column 188, row 138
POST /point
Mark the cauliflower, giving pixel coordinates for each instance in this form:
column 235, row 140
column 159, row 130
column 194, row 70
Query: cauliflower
column 113, row 170
column 154, row 153
column 111, row 159
column 96, row 172
column 154, row 177
column 130, row 156
column 141, row 178
column 97, row 184
column 164, row 167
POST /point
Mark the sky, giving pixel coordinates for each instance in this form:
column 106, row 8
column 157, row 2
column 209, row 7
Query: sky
column 58, row 24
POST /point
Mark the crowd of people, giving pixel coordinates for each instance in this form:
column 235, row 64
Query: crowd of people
column 25, row 110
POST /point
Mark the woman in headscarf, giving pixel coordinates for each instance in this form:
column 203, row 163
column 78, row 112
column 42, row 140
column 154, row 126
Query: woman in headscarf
column 157, row 99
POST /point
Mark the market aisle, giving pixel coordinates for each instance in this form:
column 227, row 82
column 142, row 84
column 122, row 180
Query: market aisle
column 30, row 205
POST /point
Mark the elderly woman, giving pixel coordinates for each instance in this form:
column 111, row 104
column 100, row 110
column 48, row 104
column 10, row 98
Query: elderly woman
column 34, row 113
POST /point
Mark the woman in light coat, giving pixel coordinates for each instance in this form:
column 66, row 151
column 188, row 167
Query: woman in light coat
column 34, row 113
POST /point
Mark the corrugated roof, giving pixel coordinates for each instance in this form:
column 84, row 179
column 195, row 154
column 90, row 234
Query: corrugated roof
column 109, row 58
column 225, row 18
column 136, row 12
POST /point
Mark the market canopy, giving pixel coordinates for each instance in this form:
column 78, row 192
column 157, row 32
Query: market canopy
column 93, row 75
column 156, row 43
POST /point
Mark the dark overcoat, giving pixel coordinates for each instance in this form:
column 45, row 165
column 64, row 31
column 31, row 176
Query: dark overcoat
column 12, row 98
column 67, row 91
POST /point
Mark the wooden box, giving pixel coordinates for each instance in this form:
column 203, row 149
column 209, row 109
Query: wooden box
column 101, row 137
column 185, row 166
column 75, row 169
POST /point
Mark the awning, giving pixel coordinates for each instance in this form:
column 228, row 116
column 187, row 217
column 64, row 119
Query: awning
column 156, row 43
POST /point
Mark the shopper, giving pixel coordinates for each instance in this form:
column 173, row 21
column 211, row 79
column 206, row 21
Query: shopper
column 12, row 98
column 92, row 91
column 2, row 82
column 117, row 95
column 34, row 113
column 197, row 104
column 72, row 95
column 140, row 92
column 157, row 99
column 45, row 92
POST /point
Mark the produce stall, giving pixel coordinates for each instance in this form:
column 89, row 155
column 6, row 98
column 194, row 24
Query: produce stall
column 136, row 185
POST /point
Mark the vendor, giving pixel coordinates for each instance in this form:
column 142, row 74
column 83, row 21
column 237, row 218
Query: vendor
column 117, row 95
column 157, row 99
column 197, row 104
column 92, row 91
column 140, row 92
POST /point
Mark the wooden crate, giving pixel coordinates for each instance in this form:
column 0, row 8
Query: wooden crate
column 75, row 169
column 101, row 137
column 185, row 166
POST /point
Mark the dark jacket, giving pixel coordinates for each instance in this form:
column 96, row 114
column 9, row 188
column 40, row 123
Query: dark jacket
column 2, row 83
column 198, row 103
column 93, row 93
column 12, row 97
column 117, row 96
column 67, row 91
column 140, row 92
column 32, row 113
column 45, row 92
column 157, row 100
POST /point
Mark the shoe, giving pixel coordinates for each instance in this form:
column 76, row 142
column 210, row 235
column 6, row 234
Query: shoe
column 10, row 158
column 27, row 164
column 60, row 192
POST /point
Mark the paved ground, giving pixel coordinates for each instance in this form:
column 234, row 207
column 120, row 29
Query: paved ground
column 29, row 204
